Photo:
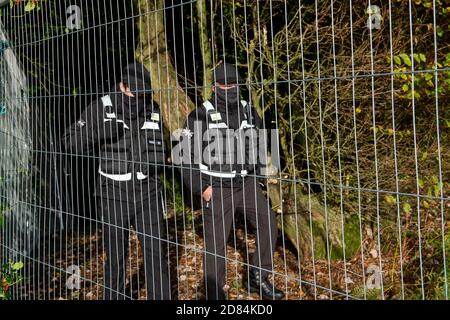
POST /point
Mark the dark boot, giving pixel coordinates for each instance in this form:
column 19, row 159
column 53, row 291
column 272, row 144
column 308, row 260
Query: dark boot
column 262, row 286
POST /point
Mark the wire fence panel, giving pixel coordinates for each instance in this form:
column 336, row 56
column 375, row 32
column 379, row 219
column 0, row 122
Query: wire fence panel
column 226, row 149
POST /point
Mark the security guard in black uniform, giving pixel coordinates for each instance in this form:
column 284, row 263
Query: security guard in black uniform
column 124, row 129
column 229, row 187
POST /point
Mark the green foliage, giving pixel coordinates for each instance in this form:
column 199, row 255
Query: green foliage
column 30, row 5
column 424, row 82
column 3, row 209
column 420, row 264
column 174, row 198
column 432, row 267
column 10, row 276
column 442, row 6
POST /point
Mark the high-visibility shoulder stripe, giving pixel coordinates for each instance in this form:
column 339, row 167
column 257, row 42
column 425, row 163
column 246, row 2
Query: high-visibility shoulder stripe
column 141, row 176
column 244, row 105
column 124, row 124
column 208, row 106
column 120, row 121
column 106, row 100
column 245, row 125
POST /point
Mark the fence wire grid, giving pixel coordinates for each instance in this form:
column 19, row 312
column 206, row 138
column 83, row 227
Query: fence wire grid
column 357, row 186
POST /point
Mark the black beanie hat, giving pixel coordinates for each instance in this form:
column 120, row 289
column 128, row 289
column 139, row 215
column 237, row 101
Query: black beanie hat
column 226, row 73
column 136, row 77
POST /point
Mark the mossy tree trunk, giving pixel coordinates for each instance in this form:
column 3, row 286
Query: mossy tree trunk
column 205, row 40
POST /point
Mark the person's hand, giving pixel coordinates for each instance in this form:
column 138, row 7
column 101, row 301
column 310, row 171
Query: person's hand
column 207, row 194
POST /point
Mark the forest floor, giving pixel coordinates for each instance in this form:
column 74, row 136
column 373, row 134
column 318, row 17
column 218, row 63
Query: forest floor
column 357, row 277
column 322, row 279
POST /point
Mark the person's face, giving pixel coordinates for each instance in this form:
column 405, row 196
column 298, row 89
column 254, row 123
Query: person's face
column 126, row 90
column 225, row 86
column 228, row 93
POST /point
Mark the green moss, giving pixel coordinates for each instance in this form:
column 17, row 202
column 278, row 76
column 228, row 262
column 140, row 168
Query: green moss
column 352, row 240
column 320, row 247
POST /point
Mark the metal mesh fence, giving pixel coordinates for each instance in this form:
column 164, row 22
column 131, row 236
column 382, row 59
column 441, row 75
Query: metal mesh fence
column 351, row 99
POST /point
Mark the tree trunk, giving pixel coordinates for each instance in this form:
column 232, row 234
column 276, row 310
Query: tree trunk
column 152, row 52
column 202, row 23
column 316, row 233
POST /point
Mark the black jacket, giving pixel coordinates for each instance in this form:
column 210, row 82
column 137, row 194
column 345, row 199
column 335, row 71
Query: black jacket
column 125, row 144
column 231, row 117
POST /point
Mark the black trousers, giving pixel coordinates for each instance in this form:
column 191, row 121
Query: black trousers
column 247, row 199
column 146, row 216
